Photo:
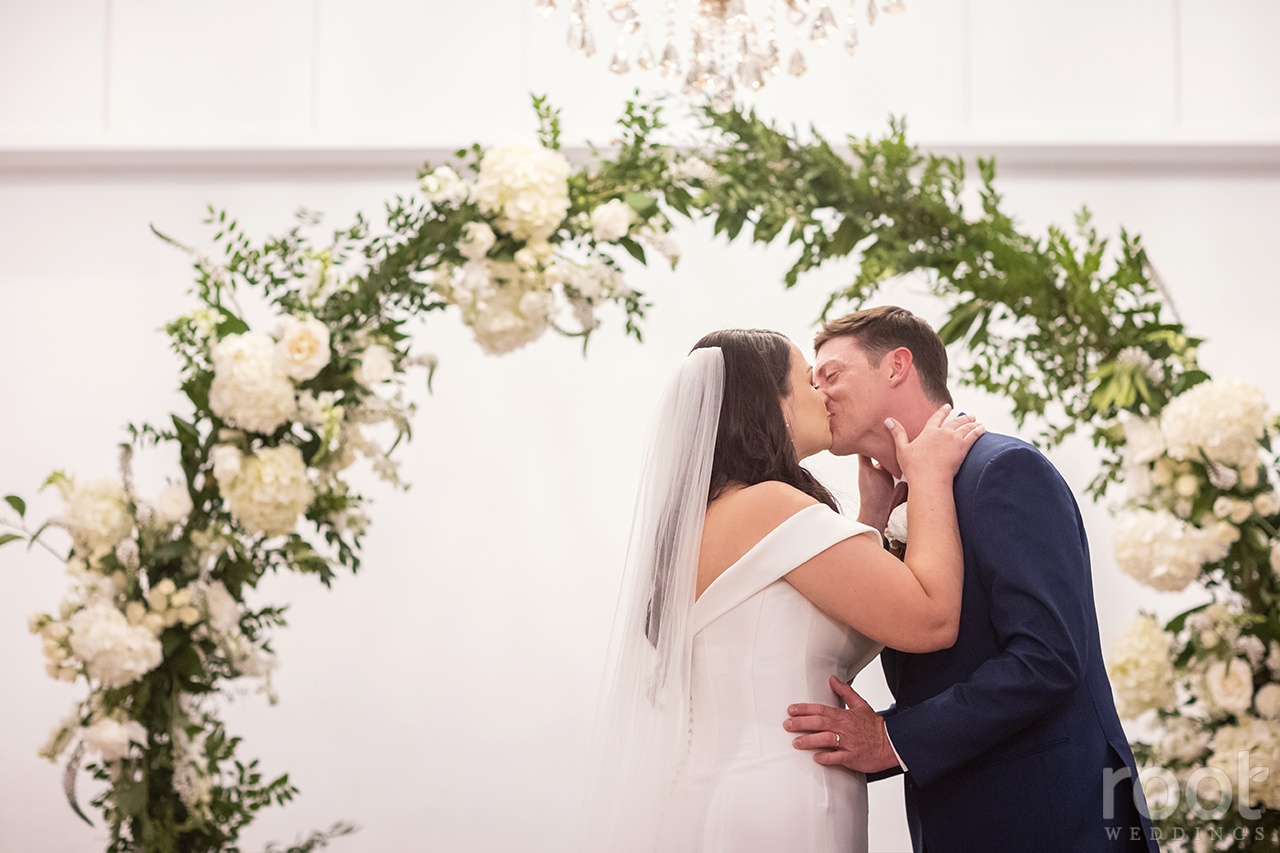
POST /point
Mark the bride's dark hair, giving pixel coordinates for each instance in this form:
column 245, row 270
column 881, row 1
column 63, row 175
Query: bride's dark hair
column 752, row 443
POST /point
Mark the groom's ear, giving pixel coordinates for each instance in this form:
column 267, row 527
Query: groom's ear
column 899, row 363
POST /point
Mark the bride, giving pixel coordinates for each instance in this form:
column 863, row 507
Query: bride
column 744, row 590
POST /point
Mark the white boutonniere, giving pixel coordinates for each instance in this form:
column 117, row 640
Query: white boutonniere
column 896, row 528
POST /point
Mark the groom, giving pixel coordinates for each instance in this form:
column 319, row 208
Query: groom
column 1009, row 739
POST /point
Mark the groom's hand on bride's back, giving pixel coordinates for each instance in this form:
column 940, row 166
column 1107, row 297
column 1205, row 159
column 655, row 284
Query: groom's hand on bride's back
column 852, row 737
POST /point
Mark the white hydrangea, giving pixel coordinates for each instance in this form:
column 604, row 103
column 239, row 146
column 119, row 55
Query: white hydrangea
column 115, row 652
column 111, row 738
column 1260, row 739
column 1230, row 685
column 97, row 513
column 249, row 389
column 303, row 348
column 1141, row 669
column 525, row 188
column 270, row 490
column 505, row 307
column 1163, row 551
column 1184, row 739
column 611, row 220
column 1223, row 419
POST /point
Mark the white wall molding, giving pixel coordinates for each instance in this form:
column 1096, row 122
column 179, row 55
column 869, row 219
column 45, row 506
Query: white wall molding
column 53, row 163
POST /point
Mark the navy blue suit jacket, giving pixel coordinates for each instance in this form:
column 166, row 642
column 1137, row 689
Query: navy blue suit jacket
column 1011, row 737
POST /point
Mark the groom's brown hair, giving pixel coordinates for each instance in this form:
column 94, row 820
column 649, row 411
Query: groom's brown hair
column 881, row 330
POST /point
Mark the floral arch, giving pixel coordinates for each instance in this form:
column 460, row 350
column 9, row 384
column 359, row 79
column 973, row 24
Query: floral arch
column 1072, row 328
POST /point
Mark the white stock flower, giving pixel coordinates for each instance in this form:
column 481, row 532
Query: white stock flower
column 111, row 739
column 1163, row 551
column 375, row 366
column 303, row 350
column 660, row 241
column 525, row 187
column 173, row 504
column 1143, row 440
column 115, row 652
column 1230, row 685
column 477, row 239
column 611, row 220
column 444, row 185
column 271, row 491
column 249, row 390
column 1141, row 669
column 97, row 513
column 226, row 460
column 1268, row 701
column 1224, row 420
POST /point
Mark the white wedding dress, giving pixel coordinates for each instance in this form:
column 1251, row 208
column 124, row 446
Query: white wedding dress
column 759, row 646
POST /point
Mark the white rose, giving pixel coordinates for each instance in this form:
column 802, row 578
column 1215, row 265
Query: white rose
column 271, row 491
column 477, row 240
column 97, row 514
column 226, row 463
column 610, row 221
column 444, row 185
column 249, row 391
column 174, row 504
column 303, row 350
column 115, row 652
column 375, row 366
column 111, row 739
column 1230, row 685
column 1268, row 701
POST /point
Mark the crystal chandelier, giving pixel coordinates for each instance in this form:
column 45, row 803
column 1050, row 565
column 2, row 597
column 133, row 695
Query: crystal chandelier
column 726, row 48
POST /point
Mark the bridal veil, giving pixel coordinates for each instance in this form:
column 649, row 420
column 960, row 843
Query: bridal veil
column 643, row 724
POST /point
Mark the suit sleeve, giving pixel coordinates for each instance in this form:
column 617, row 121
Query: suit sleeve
column 1032, row 562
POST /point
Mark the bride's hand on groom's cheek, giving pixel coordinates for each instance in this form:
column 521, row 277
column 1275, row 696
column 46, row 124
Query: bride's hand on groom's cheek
column 852, row 737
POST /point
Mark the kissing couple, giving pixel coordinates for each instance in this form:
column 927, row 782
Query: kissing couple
column 749, row 603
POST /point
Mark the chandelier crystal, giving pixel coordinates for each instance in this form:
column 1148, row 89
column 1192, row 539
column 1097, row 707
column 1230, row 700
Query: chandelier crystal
column 717, row 47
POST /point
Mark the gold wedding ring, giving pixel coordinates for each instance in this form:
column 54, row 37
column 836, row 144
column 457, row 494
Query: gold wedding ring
column 837, row 740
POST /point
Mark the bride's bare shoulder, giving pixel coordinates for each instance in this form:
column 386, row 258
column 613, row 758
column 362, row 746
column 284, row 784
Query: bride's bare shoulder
column 738, row 519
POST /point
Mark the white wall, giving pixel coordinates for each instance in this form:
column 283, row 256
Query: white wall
column 442, row 698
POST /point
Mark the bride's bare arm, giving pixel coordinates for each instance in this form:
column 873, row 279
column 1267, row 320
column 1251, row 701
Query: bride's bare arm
column 914, row 605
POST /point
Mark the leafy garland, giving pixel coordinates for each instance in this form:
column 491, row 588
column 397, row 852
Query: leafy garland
column 1071, row 328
